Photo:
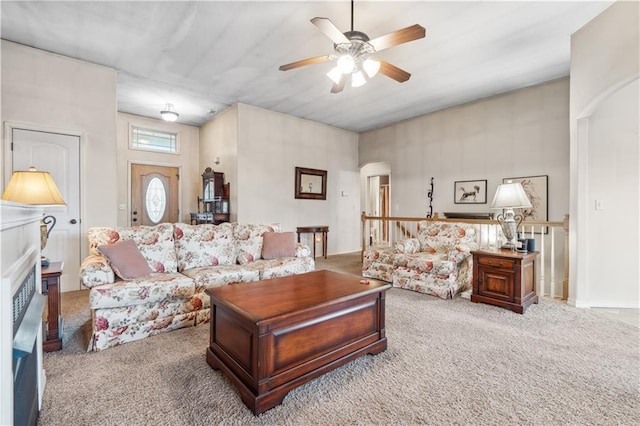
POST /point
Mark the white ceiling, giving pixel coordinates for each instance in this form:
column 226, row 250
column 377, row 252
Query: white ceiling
column 206, row 56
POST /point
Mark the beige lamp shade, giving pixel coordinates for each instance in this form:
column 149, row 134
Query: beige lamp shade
column 33, row 187
column 510, row 195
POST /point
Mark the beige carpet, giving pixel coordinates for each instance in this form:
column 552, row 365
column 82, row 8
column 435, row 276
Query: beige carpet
column 447, row 362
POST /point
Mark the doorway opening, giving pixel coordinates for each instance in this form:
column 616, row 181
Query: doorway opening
column 376, row 181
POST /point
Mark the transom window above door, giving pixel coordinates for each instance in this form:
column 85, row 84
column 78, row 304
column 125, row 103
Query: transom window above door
column 154, row 140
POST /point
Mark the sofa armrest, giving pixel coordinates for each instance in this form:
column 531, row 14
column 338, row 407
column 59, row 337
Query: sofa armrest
column 95, row 270
column 408, row 246
column 302, row 250
column 460, row 252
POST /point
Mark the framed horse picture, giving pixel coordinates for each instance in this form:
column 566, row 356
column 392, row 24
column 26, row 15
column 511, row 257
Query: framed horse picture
column 470, row 192
column 536, row 188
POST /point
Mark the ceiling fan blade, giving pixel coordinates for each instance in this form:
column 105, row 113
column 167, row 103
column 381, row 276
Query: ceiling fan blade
column 394, row 72
column 330, row 30
column 338, row 87
column 304, row 62
column 404, row 35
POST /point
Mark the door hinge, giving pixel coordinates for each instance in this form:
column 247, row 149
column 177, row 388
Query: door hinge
column 11, row 146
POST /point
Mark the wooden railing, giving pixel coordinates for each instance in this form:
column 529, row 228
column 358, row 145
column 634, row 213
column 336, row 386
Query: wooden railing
column 552, row 242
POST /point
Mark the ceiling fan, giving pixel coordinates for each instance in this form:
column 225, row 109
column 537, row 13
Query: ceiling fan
column 354, row 53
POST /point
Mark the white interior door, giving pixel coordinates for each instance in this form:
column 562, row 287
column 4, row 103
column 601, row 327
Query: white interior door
column 58, row 154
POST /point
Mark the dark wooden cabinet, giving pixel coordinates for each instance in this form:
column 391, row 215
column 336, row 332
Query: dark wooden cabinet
column 215, row 199
column 53, row 325
column 504, row 278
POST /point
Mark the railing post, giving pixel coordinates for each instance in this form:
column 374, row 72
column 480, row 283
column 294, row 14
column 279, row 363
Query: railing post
column 362, row 220
column 565, row 281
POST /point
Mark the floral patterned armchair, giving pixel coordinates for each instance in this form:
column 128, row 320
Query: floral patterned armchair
column 437, row 262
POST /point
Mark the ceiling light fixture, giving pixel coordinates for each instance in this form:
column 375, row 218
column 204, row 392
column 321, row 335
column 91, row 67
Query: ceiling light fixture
column 169, row 113
column 346, row 64
column 354, row 54
column 357, row 79
column 353, row 58
column 371, row 67
column 335, row 75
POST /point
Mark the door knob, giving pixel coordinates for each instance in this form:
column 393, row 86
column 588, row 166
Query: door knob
column 73, row 221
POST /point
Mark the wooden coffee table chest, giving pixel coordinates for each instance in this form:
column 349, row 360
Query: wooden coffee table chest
column 268, row 337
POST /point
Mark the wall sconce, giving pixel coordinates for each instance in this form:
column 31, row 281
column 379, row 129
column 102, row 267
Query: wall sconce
column 35, row 188
column 217, row 161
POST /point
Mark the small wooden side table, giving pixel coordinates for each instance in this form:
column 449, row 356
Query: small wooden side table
column 53, row 325
column 504, row 278
column 315, row 230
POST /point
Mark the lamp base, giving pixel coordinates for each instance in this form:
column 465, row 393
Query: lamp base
column 508, row 246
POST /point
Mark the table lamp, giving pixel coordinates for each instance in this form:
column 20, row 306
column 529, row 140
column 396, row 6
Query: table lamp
column 35, row 188
column 510, row 196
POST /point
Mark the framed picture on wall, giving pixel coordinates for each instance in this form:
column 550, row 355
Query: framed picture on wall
column 470, row 192
column 311, row 184
column 536, row 188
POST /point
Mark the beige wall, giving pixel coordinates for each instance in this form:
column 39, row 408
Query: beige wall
column 259, row 151
column 605, row 66
column 47, row 90
column 270, row 146
column 521, row 133
column 186, row 160
column 219, row 139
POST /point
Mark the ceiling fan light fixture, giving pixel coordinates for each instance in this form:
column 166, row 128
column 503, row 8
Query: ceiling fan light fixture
column 335, row 75
column 357, row 79
column 371, row 67
column 169, row 113
column 346, row 63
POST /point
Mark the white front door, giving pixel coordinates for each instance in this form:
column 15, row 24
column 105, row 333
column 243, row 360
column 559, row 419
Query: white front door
column 58, row 154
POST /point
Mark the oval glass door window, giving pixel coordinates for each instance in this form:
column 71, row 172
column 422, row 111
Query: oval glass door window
column 156, row 200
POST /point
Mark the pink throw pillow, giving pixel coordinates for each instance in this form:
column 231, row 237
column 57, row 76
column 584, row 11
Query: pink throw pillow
column 278, row 244
column 125, row 259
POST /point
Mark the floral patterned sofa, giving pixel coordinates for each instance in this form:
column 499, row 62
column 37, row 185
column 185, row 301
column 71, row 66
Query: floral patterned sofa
column 184, row 260
column 437, row 262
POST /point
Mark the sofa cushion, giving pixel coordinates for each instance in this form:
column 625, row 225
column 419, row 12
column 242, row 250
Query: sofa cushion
column 248, row 239
column 410, row 245
column 154, row 242
column 217, row 276
column 443, row 237
column 278, row 244
column 281, row 267
column 204, row 245
column 125, row 259
column 437, row 264
column 153, row 288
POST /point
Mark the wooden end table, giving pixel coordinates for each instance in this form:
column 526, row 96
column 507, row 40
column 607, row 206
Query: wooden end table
column 53, row 326
column 315, row 230
column 505, row 278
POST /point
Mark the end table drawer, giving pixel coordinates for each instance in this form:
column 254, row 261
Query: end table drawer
column 492, row 261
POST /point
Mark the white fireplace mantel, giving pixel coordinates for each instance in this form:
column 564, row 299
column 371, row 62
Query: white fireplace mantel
column 19, row 253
